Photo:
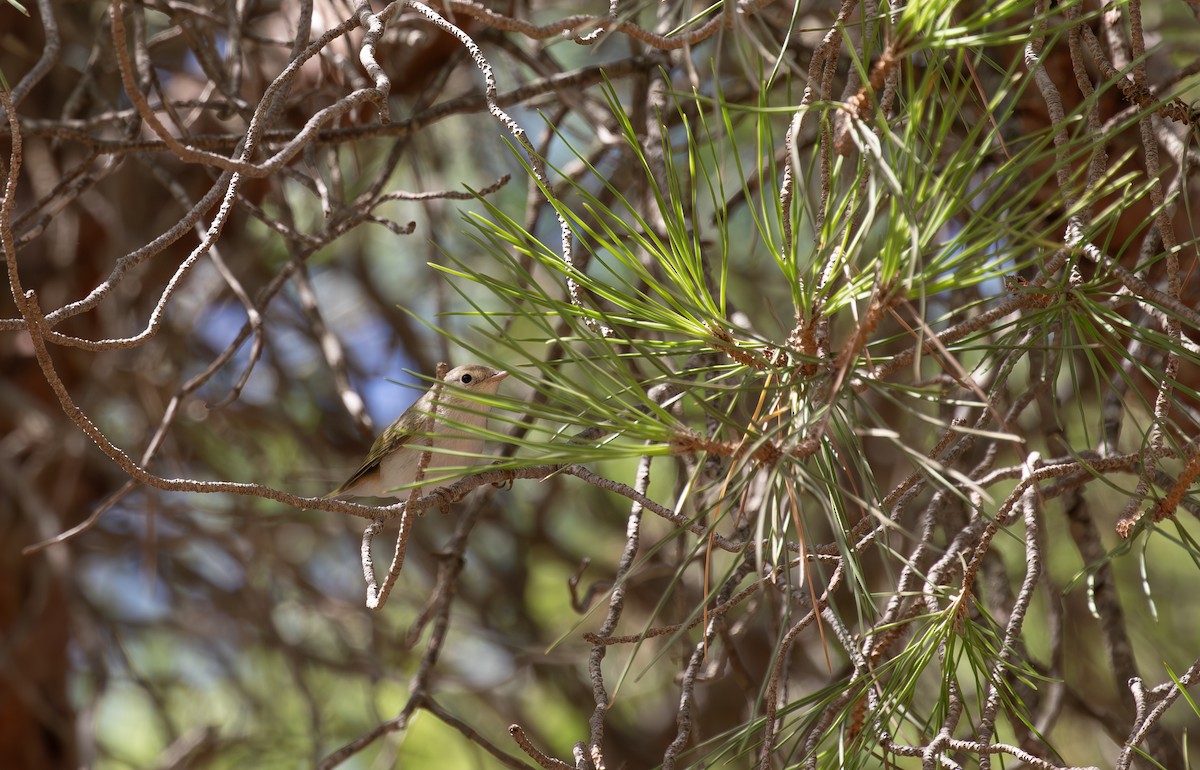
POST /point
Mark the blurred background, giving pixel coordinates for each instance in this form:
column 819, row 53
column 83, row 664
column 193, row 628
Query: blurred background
column 767, row 205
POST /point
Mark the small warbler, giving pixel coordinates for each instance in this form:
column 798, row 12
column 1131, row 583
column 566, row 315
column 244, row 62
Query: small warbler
column 437, row 423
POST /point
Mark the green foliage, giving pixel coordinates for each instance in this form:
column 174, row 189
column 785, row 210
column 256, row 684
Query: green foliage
column 931, row 209
column 843, row 341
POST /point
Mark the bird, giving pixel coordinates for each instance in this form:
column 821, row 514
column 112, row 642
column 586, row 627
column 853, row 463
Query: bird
column 445, row 422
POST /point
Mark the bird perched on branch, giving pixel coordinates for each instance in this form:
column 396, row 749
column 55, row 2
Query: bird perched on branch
column 445, row 422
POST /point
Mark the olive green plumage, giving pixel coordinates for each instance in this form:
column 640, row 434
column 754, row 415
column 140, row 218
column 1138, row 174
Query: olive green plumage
column 395, row 455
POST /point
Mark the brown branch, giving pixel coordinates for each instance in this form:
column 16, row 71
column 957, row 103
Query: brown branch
column 522, row 740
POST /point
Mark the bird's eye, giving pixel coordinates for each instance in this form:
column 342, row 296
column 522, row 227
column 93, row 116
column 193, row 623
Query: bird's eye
column 466, row 379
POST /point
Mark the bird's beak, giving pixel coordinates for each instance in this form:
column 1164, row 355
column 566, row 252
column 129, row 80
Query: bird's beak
column 500, row 375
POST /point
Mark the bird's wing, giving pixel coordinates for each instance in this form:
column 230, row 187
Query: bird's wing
column 389, row 441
